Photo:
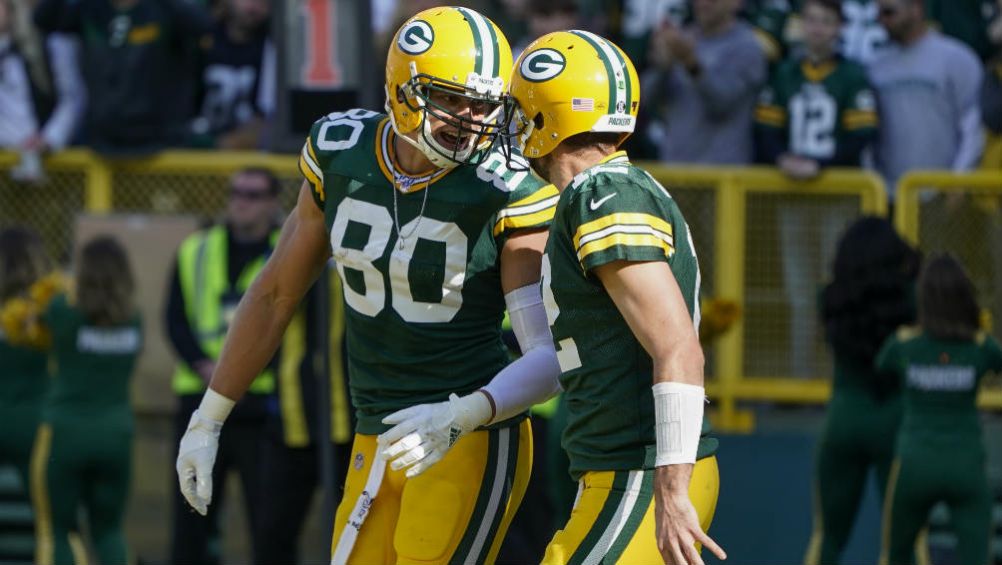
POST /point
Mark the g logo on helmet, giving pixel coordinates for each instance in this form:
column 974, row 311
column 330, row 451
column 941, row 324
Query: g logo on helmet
column 541, row 65
column 416, row 37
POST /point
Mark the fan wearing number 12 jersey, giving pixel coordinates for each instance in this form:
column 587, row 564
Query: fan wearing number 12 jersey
column 434, row 236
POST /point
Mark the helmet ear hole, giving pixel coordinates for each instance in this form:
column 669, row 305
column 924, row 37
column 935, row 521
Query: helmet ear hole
column 537, row 120
column 400, row 95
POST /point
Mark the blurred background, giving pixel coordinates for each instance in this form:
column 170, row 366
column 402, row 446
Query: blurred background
column 131, row 117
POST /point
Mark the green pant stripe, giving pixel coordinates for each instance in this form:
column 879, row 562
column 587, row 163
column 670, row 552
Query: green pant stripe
column 605, row 517
column 634, row 519
column 494, row 471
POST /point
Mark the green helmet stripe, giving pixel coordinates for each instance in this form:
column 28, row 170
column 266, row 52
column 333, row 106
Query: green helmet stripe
column 486, row 64
column 494, row 48
column 612, row 63
column 626, row 75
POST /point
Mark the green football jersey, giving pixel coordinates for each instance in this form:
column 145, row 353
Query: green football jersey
column 818, row 106
column 420, row 265
column 612, row 211
column 94, row 364
column 940, row 380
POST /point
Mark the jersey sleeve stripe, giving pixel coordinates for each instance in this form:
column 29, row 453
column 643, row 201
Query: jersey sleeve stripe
column 770, row 115
column 544, row 193
column 310, row 161
column 539, row 214
column 621, row 219
column 624, row 239
column 857, row 119
column 311, row 177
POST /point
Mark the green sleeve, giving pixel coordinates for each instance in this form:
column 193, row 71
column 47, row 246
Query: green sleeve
column 859, row 116
column 531, row 201
column 615, row 219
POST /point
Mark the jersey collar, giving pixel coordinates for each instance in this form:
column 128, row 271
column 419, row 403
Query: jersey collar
column 617, row 157
column 386, row 157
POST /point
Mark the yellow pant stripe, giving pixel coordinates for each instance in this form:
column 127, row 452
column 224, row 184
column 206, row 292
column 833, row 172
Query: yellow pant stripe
column 520, row 483
column 885, row 537
column 44, row 542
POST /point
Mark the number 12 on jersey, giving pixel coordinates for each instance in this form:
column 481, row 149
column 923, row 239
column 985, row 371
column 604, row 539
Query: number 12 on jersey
column 567, row 350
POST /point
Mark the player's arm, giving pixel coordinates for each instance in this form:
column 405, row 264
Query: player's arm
column 423, row 434
column 260, row 321
column 648, row 296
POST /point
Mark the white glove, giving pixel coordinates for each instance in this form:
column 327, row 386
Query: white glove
column 195, row 459
column 424, row 433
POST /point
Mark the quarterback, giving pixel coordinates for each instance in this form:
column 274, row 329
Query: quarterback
column 621, row 288
column 433, row 236
column 620, row 285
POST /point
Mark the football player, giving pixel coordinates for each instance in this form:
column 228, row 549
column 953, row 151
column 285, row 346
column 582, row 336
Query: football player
column 621, row 288
column 433, row 236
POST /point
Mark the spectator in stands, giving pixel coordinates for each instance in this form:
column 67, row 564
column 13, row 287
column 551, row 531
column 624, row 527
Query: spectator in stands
column 83, row 452
column 818, row 111
column 41, row 92
column 214, row 268
column 23, row 364
column 927, row 89
column 237, row 87
column 870, row 295
column 292, row 459
column 136, row 64
column 940, row 454
column 708, row 76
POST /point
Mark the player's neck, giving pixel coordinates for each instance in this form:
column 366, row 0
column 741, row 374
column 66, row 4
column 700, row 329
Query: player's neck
column 410, row 159
column 567, row 163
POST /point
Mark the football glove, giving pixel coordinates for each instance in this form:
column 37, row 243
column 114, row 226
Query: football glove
column 422, row 434
column 195, row 458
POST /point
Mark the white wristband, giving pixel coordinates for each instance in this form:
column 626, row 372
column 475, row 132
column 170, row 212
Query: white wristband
column 215, row 406
column 678, row 421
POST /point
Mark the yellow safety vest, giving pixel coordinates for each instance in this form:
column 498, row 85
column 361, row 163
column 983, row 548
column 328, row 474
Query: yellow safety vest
column 294, row 350
column 202, row 269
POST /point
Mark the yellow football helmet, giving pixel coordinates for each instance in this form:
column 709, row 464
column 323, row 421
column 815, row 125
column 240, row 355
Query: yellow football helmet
column 570, row 82
column 451, row 51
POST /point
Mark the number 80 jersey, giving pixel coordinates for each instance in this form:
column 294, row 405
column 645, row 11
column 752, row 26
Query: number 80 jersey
column 419, row 264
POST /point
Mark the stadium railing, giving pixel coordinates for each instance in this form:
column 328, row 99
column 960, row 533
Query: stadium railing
column 738, row 217
column 740, row 220
column 942, row 211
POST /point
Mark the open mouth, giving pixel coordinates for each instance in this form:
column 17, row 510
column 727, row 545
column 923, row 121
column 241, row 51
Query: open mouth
column 452, row 142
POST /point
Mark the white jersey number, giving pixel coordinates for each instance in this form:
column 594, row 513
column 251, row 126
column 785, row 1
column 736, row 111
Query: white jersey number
column 380, row 224
column 567, row 351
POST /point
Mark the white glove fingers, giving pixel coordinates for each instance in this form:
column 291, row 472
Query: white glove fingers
column 401, row 415
column 406, row 443
column 411, row 457
column 397, row 432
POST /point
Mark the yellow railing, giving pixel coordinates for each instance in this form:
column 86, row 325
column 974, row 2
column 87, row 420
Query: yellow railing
column 732, row 188
column 960, row 213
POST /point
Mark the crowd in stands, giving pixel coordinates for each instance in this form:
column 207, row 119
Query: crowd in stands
column 792, row 83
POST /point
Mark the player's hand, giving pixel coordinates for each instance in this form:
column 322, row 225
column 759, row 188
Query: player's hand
column 676, row 519
column 195, row 458
column 422, row 434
